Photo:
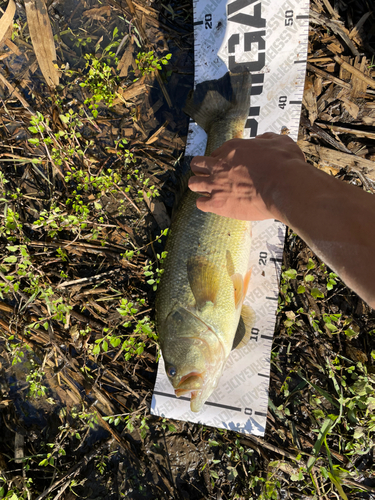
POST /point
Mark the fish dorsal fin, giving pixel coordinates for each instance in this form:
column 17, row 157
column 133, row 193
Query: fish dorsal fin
column 204, row 280
column 245, row 325
column 214, row 99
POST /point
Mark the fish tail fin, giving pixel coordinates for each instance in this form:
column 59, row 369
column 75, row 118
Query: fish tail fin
column 225, row 98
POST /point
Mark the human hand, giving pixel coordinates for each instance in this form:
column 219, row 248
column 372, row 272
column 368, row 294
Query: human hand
column 243, row 177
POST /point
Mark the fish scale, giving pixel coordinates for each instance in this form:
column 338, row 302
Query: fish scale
column 208, row 235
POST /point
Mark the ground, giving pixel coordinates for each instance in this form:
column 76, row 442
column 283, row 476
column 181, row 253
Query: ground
column 89, row 172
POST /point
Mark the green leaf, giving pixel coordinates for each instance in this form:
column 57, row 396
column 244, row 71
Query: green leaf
column 316, row 293
column 301, row 289
column 290, row 274
column 115, row 342
column 310, row 264
column 34, row 130
column 324, row 430
column 65, row 119
column 11, row 259
column 309, row 278
column 105, row 346
column 331, row 327
column 232, row 473
column 351, row 333
column 96, row 349
column 336, row 482
column 324, row 472
column 146, row 329
column 34, row 141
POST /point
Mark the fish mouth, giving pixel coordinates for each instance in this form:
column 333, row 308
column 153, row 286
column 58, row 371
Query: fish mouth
column 191, row 382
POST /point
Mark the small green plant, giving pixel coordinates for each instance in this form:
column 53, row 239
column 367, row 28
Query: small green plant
column 148, row 62
column 9, row 490
column 36, row 387
column 155, row 275
column 101, row 82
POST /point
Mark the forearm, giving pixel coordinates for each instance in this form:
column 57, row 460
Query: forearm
column 267, row 177
column 335, row 219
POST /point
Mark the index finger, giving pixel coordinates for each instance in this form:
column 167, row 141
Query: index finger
column 200, row 165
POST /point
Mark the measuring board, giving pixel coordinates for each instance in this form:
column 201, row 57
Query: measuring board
column 270, row 37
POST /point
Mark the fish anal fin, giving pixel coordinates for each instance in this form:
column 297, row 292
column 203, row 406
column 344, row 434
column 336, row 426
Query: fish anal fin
column 245, row 325
column 204, row 280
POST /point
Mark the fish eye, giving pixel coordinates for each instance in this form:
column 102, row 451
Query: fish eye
column 172, row 371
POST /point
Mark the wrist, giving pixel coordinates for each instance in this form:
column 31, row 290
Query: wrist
column 287, row 189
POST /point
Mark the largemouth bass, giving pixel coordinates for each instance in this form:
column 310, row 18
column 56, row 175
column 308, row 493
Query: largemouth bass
column 199, row 304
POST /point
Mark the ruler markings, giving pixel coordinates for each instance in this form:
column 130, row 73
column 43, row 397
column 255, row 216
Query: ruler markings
column 218, row 405
column 266, row 337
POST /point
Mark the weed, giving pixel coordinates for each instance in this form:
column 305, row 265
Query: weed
column 155, row 275
column 147, row 62
column 101, row 82
column 9, row 490
column 34, row 377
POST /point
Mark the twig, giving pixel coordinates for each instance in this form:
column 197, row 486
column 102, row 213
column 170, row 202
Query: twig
column 118, row 438
column 73, row 471
column 328, row 76
column 346, row 130
column 368, row 80
column 159, row 131
column 83, row 280
column 15, row 92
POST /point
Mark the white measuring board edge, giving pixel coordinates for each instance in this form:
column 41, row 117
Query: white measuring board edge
column 270, row 37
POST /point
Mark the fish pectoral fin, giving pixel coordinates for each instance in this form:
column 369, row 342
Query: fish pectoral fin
column 245, row 325
column 204, row 280
column 240, row 284
column 238, row 287
column 230, row 264
column 246, row 281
